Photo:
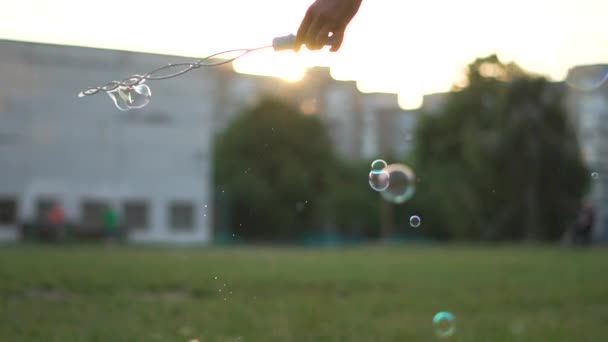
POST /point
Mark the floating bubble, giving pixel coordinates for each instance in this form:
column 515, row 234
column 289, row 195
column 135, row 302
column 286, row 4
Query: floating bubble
column 379, row 180
column 139, row 96
column 587, row 77
column 401, row 183
column 378, row 165
column 120, row 98
column 444, row 324
column 125, row 98
column 595, row 175
column 415, row 221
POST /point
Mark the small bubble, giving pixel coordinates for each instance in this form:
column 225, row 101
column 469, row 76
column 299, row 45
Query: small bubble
column 378, row 180
column 444, row 324
column 205, row 206
column 595, row 175
column 415, row 221
column 220, row 290
column 215, row 277
column 378, row 165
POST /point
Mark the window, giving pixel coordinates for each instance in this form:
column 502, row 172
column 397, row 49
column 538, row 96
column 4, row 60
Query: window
column 8, row 210
column 135, row 214
column 92, row 212
column 181, row 215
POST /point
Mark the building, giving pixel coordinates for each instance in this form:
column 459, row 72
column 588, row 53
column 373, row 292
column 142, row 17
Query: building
column 151, row 165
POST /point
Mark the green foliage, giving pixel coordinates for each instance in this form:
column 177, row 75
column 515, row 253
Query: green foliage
column 354, row 205
column 501, row 160
column 276, row 166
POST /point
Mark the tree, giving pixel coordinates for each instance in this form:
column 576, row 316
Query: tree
column 501, row 161
column 276, row 165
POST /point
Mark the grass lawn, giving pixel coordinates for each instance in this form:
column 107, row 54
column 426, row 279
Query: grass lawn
column 264, row 294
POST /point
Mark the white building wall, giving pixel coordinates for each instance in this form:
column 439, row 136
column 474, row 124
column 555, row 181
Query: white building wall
column 72, row 149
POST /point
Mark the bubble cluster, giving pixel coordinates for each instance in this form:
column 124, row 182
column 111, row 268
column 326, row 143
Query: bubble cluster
column 402, row 183
column 415, row 221
column 444, row 324
column 131, row 97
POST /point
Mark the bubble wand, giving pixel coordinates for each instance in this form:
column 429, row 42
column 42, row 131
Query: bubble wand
column 132, row 92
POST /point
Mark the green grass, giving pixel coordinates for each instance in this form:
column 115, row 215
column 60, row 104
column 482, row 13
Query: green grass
column 360, row 294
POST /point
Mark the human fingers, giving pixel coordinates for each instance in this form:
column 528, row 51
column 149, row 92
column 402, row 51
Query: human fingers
column 311, row 35
column 303, row 30
column 322, row 36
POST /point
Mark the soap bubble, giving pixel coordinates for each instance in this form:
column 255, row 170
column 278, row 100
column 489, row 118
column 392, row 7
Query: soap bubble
column 401, row 185
column 379, row 180
column 444, row 324
column 125, row 98
column 139, row 96
column 415, row 221
column 120, row 98
column 378, row 165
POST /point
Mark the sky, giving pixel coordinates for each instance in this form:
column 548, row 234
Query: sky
column 409, row 47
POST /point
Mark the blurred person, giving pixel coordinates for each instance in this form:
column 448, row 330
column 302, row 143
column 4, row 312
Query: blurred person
column 55, row 217
column 324, row 18
column 583, row 226
column 110, row 223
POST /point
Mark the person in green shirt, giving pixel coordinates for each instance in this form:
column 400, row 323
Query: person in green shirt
column 110, row 223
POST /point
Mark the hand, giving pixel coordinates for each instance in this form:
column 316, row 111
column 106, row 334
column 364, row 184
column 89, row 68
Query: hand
column 325, row 17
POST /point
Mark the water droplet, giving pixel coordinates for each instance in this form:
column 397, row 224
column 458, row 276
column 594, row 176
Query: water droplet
column 378, row 180
column 444, row 324
column 378, row 165
column 595, row 175
column 415, row 221
column 401, row 185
